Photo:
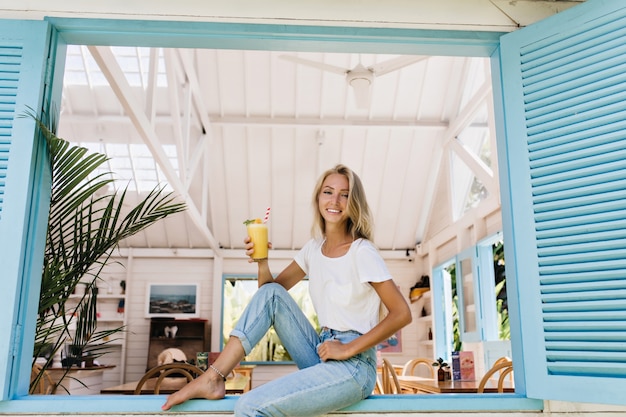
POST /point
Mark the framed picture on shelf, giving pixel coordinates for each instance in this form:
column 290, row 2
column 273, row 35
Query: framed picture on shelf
column 392, row 345
column 172, row 300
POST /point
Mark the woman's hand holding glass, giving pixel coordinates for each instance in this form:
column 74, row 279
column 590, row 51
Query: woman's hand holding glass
column 249, row 247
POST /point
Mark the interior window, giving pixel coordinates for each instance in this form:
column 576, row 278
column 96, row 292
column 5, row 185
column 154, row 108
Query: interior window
column 238, row 290
column 475, row 307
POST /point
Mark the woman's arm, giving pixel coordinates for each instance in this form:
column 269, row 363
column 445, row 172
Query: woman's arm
column 398, row 317
column 290, row 276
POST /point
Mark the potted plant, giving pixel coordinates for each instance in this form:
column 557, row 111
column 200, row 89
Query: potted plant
column 83, row 342
column 85, row 224
column 443, row 371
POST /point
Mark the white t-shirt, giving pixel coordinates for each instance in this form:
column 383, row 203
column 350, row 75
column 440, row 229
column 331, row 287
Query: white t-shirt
column 339, row 287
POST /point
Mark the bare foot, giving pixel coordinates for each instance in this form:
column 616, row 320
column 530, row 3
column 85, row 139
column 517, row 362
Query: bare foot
column 205, row 386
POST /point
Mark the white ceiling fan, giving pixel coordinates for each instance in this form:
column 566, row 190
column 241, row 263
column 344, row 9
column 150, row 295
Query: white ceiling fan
column 360, row 78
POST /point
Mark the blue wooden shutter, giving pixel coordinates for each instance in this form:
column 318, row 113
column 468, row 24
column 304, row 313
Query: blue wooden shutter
column 23, row 207
column 564, row 105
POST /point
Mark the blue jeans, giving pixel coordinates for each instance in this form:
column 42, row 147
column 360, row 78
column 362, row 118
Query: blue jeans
column 317, row 387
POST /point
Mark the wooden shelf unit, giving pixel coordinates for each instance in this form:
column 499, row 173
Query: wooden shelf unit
column 421, row 297
column 192, row 337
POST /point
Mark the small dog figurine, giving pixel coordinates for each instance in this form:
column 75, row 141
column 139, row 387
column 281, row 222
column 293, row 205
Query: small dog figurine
column 171, row 355
column 170, row 332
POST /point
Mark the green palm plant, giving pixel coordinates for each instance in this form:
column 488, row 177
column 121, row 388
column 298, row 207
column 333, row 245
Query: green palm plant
column 85, row 225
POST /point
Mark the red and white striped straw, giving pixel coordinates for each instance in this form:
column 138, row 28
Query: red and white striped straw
column 267, row 215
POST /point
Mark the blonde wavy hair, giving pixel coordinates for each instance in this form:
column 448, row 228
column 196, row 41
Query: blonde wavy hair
column 359, row 223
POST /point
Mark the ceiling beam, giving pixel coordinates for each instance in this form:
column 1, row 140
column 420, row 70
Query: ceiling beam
column 204, row 140
column 192, row 77
column 478, row 167
column 153, row 68
column 286, row 122
column 467, row 114
column 173, row 87
column 196, row 159
column 110, row 68
column 461, row 122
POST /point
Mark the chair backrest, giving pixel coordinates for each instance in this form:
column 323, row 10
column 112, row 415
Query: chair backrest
column 378, row 387
column 502, row 359
column 44, row 385
column 410, row 367
column 390, row 383
column 504, row 368
column 179, row 369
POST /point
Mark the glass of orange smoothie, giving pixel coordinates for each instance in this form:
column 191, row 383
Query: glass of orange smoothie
column 257, row 230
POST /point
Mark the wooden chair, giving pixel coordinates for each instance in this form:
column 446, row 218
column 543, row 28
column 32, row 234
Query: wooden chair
column 378, row 388
column 502, row 359
column 410, row 367
column 45, row 384
column 504, row 368
column 175, row 369
column 390, row 383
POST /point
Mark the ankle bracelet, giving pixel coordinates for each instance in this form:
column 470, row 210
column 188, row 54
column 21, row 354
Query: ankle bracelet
column 217, row 371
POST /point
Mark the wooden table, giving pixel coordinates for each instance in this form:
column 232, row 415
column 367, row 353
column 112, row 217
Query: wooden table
column 432, row 386
column 235, row 385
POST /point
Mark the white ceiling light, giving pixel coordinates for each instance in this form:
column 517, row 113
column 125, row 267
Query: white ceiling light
column 360, row 79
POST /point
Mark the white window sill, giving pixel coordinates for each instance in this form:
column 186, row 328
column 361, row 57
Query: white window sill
column 151, row 405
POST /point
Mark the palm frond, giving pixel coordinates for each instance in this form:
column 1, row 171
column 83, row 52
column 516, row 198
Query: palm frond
column 85, row 225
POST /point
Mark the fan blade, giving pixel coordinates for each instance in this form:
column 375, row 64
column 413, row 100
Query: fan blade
column 395, row 64
column 315, row 64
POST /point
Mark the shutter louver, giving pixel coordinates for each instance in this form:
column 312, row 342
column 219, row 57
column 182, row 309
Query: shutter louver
column 575, row 94
column 9, row 78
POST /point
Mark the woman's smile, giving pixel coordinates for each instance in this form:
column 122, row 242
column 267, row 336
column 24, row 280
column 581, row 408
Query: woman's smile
column 334, row 197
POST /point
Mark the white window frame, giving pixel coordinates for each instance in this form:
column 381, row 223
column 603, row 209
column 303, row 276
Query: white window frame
column 486, row 320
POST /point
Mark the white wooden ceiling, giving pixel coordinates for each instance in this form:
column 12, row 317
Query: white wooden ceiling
column 233, row 132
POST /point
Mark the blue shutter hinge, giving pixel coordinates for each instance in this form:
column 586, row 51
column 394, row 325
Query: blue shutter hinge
column 47, row 83
column 17, row 340
column 48, row 75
